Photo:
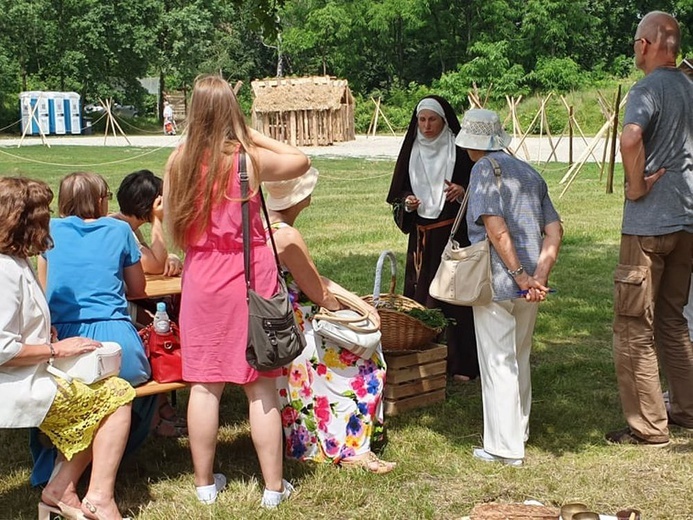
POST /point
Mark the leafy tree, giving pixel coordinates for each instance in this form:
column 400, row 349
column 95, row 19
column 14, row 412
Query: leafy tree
column 491, row 70
column 556, row 74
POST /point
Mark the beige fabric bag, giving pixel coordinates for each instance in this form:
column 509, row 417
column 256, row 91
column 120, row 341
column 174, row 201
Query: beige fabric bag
column 464, row 274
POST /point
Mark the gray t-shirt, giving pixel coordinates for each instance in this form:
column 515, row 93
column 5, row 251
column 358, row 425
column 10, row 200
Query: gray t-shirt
column 662, row 105
column 523, row 201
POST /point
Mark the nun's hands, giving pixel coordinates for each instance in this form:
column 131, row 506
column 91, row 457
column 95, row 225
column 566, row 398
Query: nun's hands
column 453, row 191
column 411, row 203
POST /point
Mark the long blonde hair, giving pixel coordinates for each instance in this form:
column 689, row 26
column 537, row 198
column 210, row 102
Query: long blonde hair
column 216, row 127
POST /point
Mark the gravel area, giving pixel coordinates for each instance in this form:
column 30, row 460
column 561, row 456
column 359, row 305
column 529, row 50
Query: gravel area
column 380, row 147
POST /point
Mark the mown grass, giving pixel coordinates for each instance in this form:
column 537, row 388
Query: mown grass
column 575, row 394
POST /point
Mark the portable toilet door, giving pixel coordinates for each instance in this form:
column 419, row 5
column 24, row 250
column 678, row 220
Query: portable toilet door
column 73, row 117
column 58, row 114
column 51, row 112
column 43, row 113
column 25, row 107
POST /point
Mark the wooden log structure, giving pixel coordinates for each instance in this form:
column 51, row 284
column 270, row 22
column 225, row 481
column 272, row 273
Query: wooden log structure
column 312, row 111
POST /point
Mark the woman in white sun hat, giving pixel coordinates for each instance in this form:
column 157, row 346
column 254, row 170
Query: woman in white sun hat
column 508, row 203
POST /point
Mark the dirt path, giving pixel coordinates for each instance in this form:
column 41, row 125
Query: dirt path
column 379, row 147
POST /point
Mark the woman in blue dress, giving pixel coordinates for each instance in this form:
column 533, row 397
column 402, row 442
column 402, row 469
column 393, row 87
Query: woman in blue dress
column 94, row 263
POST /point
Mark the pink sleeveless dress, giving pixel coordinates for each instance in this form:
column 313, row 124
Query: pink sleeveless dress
column 214, row 311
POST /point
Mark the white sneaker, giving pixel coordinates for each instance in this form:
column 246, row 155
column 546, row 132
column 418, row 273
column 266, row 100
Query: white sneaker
column 208, row 494
column 271, row 499
column 482, row 454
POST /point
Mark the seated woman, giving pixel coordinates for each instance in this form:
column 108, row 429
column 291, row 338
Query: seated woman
column 331, row 399
column 94, row 261
column 87, row 423
column 141, row 201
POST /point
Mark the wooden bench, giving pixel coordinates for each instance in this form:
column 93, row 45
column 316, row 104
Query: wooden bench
column 152, row 388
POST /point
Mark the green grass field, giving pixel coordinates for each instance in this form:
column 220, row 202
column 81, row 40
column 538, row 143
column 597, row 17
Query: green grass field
column 575, row 394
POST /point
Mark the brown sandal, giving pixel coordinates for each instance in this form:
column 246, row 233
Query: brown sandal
column 166, row 428
column 370, row 462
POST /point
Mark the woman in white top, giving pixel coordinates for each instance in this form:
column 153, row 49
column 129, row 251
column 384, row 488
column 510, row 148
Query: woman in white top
column 88, row 424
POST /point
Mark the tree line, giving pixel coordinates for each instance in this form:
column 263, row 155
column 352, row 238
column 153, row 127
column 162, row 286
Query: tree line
column 100, row 48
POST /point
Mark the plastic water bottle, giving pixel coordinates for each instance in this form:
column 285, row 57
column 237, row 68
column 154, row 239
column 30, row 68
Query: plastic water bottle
column 162, row 323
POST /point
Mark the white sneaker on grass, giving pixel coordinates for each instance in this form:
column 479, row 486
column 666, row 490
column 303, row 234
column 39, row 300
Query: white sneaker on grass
column 482, row 454
column 271, row 499
column 208, row 494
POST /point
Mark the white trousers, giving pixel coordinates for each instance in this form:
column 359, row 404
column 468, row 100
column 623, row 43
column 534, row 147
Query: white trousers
column 504, row 340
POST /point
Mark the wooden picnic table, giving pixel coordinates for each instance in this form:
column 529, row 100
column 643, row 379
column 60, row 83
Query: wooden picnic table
column 159, row 285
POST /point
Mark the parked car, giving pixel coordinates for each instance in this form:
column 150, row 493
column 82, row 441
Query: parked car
column 118, row 109
column 94, row 108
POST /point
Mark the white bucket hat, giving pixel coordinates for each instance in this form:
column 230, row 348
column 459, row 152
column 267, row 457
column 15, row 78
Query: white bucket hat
column 282, row 195
column 481, row 129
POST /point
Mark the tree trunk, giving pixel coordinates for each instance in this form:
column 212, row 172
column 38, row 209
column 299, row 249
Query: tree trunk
column 162, row 93
column 280, row 56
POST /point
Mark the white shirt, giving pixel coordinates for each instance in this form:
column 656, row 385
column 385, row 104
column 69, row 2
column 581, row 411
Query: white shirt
column 27, row 391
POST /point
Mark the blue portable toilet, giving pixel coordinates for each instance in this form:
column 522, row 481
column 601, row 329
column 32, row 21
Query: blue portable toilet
column 51, row 114
column 56, row 112
column 73, row 116
column 29, row 100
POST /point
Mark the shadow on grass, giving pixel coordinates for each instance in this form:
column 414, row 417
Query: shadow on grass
column 160, row 459
column 575, row 397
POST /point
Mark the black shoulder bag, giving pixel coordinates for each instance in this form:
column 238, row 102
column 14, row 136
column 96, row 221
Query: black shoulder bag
column 274, row 338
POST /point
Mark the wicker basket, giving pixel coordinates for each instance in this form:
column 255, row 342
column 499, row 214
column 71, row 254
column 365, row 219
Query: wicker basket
column 399, row 330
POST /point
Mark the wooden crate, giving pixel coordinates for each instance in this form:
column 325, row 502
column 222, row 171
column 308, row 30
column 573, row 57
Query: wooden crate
column 415, row 378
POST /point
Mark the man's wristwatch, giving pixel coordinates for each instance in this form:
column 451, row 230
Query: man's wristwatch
column 516, row 272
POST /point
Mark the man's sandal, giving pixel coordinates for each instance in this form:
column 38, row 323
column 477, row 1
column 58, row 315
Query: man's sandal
column 370, row 462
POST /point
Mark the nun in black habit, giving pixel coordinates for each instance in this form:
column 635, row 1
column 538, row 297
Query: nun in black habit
column 427, row 187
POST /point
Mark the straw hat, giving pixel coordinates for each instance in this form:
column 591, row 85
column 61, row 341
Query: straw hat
column 482, row 130
column 282, row 195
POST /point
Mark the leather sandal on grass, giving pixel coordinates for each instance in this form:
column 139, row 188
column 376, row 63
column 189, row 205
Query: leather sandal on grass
column 166, row 428
column 168, row 413
column 370, row 462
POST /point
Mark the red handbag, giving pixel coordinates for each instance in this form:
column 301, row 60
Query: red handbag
column 163, row 351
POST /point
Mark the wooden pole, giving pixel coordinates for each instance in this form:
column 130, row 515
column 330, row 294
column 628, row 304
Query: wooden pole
column 604, row 151
column 387, row 122
column 573, row 171
column 583, row 158
column 582, row 134
column 570, row 135
column 614, row 135
column 32, row 118
column 377, row 113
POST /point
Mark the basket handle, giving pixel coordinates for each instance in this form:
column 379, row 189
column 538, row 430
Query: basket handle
column 379, row 275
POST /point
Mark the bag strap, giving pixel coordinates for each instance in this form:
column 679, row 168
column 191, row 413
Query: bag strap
column 243, row 174
column 465, row 200
column 335, row 317
column 53, row 370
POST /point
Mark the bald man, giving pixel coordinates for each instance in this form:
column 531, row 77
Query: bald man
column 651, row 281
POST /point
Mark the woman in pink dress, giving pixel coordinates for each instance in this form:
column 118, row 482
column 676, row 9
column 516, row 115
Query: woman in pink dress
column 203, row 213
